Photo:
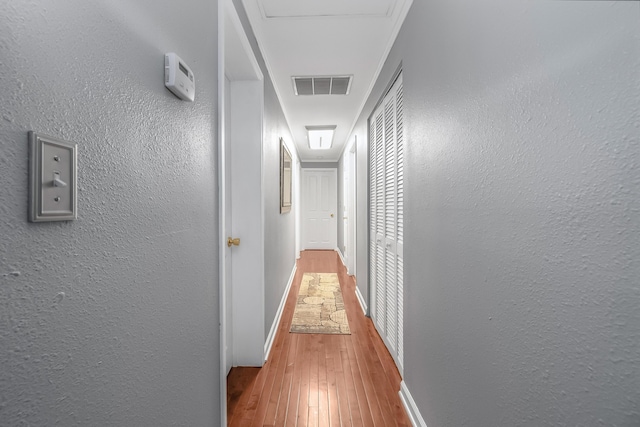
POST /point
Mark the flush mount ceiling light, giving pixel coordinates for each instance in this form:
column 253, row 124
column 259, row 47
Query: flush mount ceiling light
column 320, row 137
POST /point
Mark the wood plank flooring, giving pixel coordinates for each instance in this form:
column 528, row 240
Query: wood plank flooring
column 320, row 380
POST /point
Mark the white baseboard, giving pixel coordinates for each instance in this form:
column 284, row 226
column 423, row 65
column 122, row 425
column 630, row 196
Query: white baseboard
column 341, row 257
column 276, row 321
column 411, row 407
column 363, row 304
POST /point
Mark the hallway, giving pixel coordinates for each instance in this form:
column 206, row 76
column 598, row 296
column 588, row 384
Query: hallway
column 520, row 257
column 320, row 380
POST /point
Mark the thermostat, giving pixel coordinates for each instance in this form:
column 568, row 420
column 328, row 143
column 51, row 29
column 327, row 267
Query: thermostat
column 178, row 77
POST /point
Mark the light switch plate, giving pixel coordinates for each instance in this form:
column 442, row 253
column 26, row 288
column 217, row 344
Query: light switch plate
column 52, row 179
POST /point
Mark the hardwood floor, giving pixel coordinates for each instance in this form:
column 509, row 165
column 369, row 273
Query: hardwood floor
column 320, row 380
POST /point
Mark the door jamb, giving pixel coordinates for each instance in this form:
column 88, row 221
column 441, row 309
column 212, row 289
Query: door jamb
column 335, row 171
column 227, row 14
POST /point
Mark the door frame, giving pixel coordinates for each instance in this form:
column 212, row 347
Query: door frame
column 303, row 230
column 350, row 189
column 236, row 61
column 381, row 239
column 372, row 286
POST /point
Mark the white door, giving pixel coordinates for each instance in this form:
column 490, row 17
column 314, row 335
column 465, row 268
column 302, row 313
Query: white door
column 241, row 205
column 319, row 209
column 247, row 210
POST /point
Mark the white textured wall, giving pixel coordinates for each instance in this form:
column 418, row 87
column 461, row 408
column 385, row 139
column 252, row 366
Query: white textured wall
column 280, row 249
column 522, row 250
column 110, row 320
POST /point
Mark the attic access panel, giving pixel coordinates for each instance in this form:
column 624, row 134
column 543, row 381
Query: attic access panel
column 322, row 85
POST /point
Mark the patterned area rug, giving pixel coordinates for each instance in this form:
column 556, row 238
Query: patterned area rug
column 320, row 307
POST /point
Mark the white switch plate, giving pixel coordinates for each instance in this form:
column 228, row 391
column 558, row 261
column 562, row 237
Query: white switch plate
column 52, row 179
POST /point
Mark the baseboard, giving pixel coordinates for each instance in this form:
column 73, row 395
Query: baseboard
column 363, row 305
column 276, row 321
column 341, row 257
column 411, row 407
column 361, row 301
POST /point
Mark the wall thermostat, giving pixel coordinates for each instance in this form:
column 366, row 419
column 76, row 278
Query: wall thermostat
column 178, row 77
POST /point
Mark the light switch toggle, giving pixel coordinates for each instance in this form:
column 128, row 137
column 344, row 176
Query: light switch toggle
column 57, row 182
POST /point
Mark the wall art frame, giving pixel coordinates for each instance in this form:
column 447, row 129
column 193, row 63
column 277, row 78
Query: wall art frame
column 286, row 168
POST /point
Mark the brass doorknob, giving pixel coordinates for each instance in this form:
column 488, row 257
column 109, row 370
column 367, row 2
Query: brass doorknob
column 231, row 241
column 331, row 215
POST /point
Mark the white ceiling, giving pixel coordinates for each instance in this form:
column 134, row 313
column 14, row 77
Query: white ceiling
column 324, row 38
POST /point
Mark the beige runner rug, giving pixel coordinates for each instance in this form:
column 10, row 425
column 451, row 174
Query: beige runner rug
column 320, row 307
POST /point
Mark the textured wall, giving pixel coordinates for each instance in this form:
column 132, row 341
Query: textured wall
column 110, row 320
column 280, row 243
column 522, row 251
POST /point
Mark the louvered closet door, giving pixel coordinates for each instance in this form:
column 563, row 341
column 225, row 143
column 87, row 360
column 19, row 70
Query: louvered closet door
column 377, row 223
column 386, row 134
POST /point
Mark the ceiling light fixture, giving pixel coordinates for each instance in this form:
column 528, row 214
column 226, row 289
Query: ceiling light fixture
column 320, row 137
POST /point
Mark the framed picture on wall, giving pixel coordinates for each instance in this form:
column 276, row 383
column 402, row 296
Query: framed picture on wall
column 285, row 178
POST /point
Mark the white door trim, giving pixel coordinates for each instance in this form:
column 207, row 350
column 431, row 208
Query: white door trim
column 333, row 243
column 386, row 212
column 237, row 61
column 351, row 192
column 222, row 294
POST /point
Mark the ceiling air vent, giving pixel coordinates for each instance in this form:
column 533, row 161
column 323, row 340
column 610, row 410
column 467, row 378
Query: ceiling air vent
column 322, row 85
